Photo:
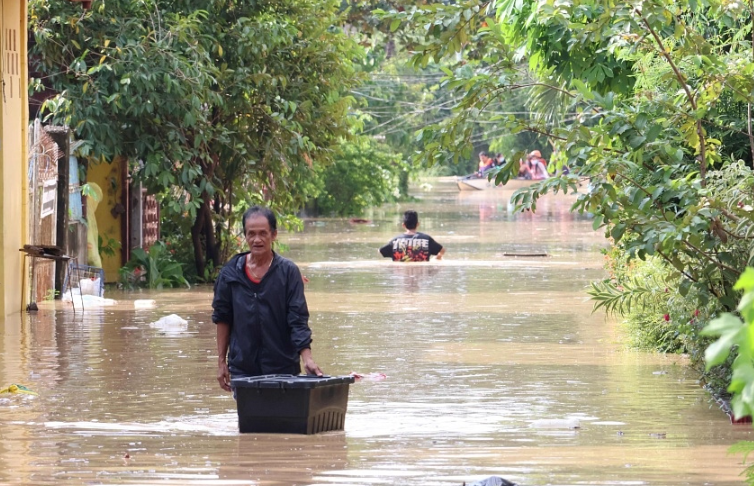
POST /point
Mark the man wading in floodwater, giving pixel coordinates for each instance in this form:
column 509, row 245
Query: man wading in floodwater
column 412, row 246
column 260, row 309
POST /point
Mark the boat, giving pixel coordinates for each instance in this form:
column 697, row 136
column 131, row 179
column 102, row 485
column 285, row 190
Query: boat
column 481, row 184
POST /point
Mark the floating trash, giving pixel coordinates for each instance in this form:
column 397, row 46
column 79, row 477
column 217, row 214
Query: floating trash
column 16, row 388
column 172, row 324
column 369, row 376
column 144, row 303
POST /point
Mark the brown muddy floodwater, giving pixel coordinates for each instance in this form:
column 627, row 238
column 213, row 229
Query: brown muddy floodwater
column 490, row 361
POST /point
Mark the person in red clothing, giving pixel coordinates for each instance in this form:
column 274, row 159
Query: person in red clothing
column 412, row 246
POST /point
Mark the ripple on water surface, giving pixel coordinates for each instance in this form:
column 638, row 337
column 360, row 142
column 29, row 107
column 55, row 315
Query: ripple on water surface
column 492, row 365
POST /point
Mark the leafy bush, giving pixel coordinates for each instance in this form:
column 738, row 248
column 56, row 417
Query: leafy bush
column 656, row 315
column 735, row 347
column 734, row 333
column 645, row 293
column 153, row 269
column 365, row 173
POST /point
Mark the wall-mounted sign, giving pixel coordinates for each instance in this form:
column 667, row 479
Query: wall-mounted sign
column 49, row 193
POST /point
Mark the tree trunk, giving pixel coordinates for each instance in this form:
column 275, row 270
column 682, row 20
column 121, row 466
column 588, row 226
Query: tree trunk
column 210, row 242
column 196, row 239
column 403, row 183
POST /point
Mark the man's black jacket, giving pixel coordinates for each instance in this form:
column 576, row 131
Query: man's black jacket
column 269, row 321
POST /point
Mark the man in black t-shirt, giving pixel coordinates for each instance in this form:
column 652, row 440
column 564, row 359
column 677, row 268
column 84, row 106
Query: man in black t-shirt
column 412, row 246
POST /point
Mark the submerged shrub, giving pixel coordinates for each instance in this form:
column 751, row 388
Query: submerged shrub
column 153, row 269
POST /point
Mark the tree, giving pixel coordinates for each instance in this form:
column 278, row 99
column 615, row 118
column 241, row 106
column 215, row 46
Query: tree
column 646, row 153
column 364, row 174
column 216, row 104
column 660, row 94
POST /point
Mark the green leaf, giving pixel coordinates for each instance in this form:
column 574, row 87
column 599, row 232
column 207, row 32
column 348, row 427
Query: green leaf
column 597, row 222
column 726, row 323
column 718, row 351
column 746, row 280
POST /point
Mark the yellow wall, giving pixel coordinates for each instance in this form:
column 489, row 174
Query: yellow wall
column 14, row 109
column 108, row 177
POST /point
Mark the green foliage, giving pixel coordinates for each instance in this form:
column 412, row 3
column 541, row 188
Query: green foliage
column 645, row 84
column 364, row 174
column 655, row 314
column 397, row 101
column 745, row 448
column 636, row 292
column 734, row 332
column 107, row 246
column 153, row 269
column 646, row 102
column 567, row 41
column 646, row 294
column 214, row 103
column 87, row 191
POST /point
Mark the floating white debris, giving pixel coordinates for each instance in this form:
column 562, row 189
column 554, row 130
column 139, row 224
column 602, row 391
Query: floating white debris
column 90, row 286
column 144, row 303
column 172, row 324
column 85, row 300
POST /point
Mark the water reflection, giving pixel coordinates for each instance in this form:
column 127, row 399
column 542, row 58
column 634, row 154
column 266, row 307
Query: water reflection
column 489, row 361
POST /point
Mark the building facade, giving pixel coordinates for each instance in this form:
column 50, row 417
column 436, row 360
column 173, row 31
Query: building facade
column 14, row 117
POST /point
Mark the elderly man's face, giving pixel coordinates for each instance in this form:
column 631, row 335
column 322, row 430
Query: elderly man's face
column 259, row 235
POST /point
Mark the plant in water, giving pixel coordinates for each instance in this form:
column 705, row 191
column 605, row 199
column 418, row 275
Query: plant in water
column 736, row 335
column 153, row 269
column 733, row 332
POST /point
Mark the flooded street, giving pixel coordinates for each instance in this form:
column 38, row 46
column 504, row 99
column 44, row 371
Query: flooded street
column 494, row 365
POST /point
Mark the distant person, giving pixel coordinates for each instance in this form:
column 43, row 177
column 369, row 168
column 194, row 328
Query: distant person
column 536, row 154
column 260, row 310
column 523, row 169
column 485, row 163
column 412, row 246
column 499, row 160
column 537, row 166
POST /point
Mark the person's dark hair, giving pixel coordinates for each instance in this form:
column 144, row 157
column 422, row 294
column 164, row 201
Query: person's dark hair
column 263, row 211
column 483, row 154
column 410, row 219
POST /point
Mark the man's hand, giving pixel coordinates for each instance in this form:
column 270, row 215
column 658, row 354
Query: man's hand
column 223, row 341
column 310, row 367
column 223, row 375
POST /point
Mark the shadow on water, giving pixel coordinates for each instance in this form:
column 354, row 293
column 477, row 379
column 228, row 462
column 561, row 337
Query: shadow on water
column 494, row 365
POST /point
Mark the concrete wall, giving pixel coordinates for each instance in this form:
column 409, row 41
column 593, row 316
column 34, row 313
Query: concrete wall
column 14, row 108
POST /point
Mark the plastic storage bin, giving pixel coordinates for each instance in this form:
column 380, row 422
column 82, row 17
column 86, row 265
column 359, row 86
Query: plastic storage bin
column 295, row 404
